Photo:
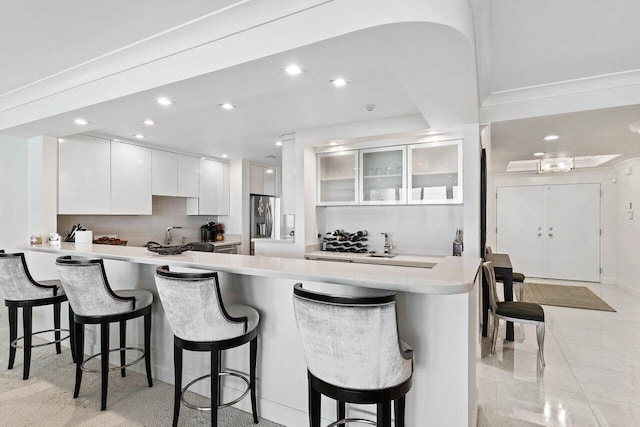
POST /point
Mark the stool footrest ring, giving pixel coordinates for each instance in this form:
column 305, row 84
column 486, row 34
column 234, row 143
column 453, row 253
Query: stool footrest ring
column 352, row 420
column 222, row 405
column 14, row 343
column 113, row 368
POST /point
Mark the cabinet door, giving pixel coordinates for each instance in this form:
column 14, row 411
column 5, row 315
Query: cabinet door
column 214, row 188
column 188, row 180
column 269, row 181
column 383, row 176
column 337, row 178
column 164, row 173
column 84, row 185
column 130, row 179
column 256, row 179
column 435, row 173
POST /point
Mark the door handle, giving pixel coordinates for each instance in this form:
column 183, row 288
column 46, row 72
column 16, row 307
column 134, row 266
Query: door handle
column 550, row 234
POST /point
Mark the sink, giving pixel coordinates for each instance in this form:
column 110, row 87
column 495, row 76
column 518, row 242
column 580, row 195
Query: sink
column 375, row 255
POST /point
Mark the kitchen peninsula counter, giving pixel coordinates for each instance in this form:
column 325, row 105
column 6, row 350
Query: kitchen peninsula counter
column 437, row 316
column 447, row 275
column 421, row 261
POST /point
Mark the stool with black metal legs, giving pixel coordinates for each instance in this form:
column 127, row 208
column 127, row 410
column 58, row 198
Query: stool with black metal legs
column 353, row 354
column 200, row 321
column 95, row 303
column 19, row 290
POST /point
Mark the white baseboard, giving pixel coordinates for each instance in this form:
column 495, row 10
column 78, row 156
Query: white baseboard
column 627, row 287
column 607, row 280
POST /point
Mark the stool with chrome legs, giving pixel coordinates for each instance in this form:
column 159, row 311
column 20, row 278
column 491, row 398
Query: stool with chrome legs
column 200, row 321
column 20, row 290
column 95, row 303
column 353, row 354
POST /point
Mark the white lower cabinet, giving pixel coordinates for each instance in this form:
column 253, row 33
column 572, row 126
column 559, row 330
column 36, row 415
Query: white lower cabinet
column 130, row 179
column 213, row 197
column 84, row 175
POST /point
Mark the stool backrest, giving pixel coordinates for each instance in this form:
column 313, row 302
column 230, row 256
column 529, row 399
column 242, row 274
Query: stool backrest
column 87, row 288
column 16, row 283
column 490, row 276
column 193, row 305
column 351, row 342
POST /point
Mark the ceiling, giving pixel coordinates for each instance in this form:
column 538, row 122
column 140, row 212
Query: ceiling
column 403, row 69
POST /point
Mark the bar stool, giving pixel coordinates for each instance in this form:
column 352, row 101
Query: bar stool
column 19, row 290
column 200, row 321
column 353, row 353
column 94, row 302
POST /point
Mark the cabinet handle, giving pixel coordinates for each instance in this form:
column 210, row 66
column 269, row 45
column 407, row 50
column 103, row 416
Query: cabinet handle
column 550, row 234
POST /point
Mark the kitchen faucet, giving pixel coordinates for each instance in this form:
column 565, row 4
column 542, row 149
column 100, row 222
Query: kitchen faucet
column 387, row 245
column 168, row 236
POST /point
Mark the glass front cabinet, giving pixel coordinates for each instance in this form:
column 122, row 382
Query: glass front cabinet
column 435, row 173
column 338, row 178
column 383, row 176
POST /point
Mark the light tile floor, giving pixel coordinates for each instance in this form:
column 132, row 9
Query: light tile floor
column 592, row 374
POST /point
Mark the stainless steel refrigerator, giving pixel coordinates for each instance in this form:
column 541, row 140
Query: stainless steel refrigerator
column 265, row 218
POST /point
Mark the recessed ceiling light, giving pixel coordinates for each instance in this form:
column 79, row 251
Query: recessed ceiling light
column 149, row 122
column 203, row 158
column 333, row 143
column 339, row 82
column 293, row 70
column 269, row 171
column 80, row 121
column 224, row 156
column 538, row 154
column 139, row 136
column 164, row 101
column 227, row 106
column 116, row 140
column 551, row 137
column 278, row 143
column 60, row 139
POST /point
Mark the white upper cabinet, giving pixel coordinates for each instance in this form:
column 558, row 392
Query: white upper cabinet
column 164, row 173
column 383, row 176
column 338, row 178
column 435, row 173
column 130, row 179
column 174, row 174
column 262, row 180
column 188, row 181
column 213, row 196
column 84, row 171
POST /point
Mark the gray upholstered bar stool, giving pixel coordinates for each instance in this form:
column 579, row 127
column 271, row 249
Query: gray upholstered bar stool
column 19, row 290
column 200, row 321
column 94, row 302
column 353, row 353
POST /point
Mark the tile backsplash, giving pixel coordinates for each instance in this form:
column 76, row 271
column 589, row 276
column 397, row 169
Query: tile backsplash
column 139, row 229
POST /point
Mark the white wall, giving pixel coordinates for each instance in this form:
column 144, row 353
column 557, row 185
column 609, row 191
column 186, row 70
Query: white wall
column 608, row 213
column 13, row 192
column 628, row 230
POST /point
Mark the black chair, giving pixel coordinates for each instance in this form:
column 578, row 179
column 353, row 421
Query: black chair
column 95, row 303
column 517, row 279
column 200, row 321
column 353, row 354
column 514, row 311
column 19, row 290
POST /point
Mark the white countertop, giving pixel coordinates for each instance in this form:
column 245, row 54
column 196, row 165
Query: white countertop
column 398, row 260
column 451, row 275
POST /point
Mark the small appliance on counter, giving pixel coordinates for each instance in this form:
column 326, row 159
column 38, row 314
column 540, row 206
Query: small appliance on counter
column 212, row 232
column 458, row 245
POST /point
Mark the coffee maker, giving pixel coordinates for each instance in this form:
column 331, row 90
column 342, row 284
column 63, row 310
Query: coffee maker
column 209, row 232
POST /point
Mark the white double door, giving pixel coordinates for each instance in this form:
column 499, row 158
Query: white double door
column 551, row 231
